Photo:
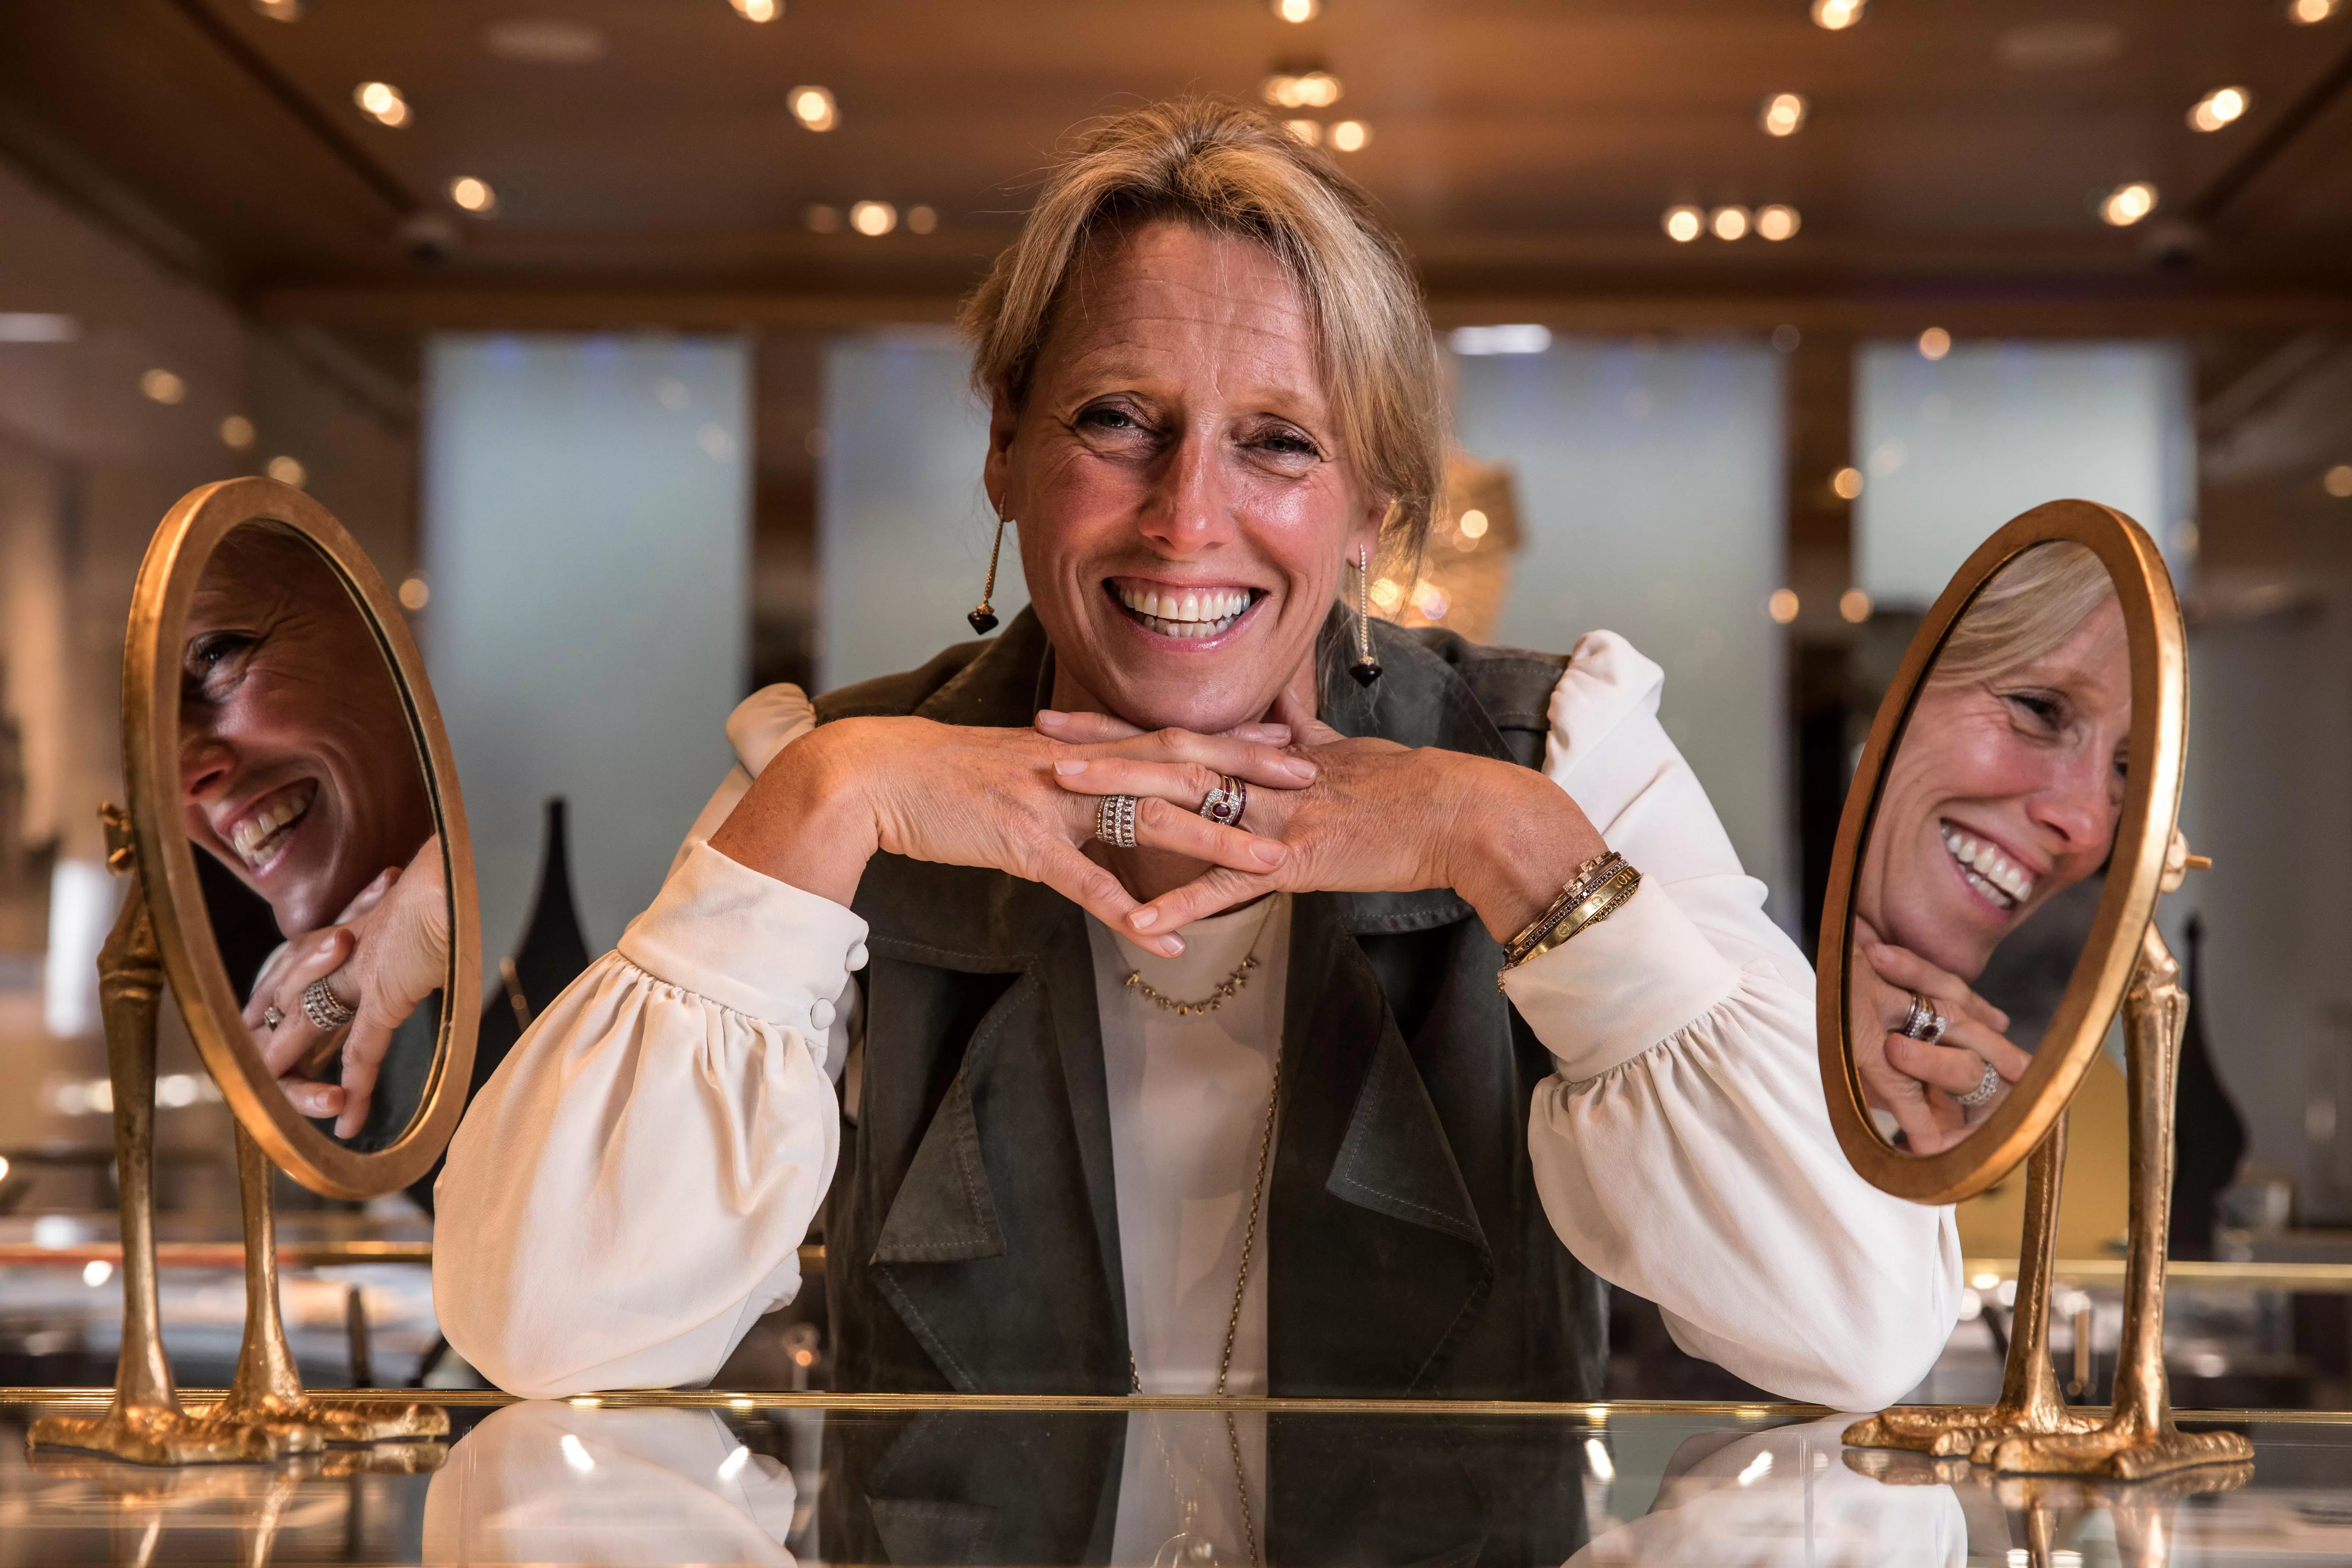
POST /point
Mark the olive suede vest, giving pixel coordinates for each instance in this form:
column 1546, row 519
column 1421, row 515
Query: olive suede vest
column 972, row 1231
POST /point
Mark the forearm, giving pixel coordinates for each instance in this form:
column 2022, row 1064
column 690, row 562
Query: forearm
column 805, row 819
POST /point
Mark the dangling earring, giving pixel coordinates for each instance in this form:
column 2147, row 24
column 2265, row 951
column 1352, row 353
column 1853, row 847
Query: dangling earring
column 1366, row 670
column 983, row 615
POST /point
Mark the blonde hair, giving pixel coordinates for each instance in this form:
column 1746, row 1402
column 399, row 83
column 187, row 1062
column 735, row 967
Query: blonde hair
column 1234, row 171
column 2030, row 606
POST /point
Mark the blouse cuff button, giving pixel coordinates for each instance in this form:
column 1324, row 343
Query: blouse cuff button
column 856, row 959
column 821, row 1014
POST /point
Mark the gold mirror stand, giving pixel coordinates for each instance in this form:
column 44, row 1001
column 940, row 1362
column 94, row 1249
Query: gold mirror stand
column 2142, row 1515
column 2032, row 1431
column 266, row 1415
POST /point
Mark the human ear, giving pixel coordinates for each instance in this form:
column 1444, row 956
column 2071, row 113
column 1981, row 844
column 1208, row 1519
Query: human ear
column 1003, row 425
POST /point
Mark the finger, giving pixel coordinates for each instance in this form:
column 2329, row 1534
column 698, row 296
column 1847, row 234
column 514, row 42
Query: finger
column 363, row 1053
column 1305, row 726
column 1951, row 1069
column 1163, row 825
column 1211, row 756
column 1211, row 893
column 1901, row 966
column 313, row 1099
column 295, row 1036
column 1083, row 728
column 1265, row 734
column 367, row 897
column 1062, row 867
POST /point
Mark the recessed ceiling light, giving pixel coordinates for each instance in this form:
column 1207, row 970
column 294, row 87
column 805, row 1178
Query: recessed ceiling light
column 1729, row 221
column 544, row 41
column 1297, row 10
column 1683, row 225
column 1308, row 89
column 758, row 10
column 921, row 220
column 2127, row 203
column 1349, row 135
column 236, row 432
column 1837, row 15
column 381, row 102
column 2304, row 13
column 814, row 107
column 2337, row 481
column 2222, row 106
column 1847, row 483
column 1777, row 222
column 287, row 471
column 1935, row 343
column 1853, row 604
column 162, row 387
column 1782, row 606
column 473, row 194
column 1783, row 113
column 873, row 219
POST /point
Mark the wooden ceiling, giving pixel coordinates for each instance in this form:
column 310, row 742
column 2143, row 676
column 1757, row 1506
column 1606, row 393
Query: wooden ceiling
column 1527, row 148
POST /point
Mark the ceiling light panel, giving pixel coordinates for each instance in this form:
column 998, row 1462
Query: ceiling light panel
column 1784, row 114
column 814, row 107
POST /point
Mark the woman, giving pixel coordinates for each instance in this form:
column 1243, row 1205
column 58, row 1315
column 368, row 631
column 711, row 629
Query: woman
column 2004, row 792
column 299, row 773
column 1133, row 1097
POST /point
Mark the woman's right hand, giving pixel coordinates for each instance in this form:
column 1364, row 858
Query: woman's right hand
column 961, row 795
column 1916, row 1083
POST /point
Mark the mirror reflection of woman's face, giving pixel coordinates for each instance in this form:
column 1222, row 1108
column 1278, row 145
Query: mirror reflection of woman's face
column 296, row 769
column 1184, row 500
column 2003, row 793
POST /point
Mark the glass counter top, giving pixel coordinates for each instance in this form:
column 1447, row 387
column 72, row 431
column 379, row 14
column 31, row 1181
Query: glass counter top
column 811, row 1478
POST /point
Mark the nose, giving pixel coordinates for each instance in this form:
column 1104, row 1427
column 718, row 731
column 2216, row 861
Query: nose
column 207, row 765
column 2078, row 804
column 1188, row 509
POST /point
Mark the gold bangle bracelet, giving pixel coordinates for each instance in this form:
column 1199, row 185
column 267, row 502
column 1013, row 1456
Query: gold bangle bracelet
column 1602, row 902
column 1578, row 887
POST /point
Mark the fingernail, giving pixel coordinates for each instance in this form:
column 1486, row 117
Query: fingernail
column 1144, row 918
column 1300, row 767
column 1052, row 718
column 1069, row 765
column 1173, row 947
column 327, row 943
column 1265, row 853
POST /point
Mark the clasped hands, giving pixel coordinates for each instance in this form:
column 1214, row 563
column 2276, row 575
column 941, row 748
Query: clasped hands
column 1917, row 1083
column 1326, row 812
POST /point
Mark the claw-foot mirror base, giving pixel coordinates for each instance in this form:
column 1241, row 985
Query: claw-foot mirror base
column 266, row 1416
column 2032, row 1431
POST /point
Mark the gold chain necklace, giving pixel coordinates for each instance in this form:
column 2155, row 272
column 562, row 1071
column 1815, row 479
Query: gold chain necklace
column 1189, row 1549
column 1227, row 990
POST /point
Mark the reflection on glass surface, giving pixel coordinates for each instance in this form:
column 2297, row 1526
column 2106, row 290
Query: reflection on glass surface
column 301, row 781
column 752, row 1482
column 2001, row 800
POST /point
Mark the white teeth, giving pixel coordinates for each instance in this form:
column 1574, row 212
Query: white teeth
column 252, row 836
column 1194, row 614
column 1987, row 868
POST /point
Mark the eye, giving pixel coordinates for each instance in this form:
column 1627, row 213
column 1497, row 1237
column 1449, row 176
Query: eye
column 2038, row 710
column 213, row 662
column 1107, row 419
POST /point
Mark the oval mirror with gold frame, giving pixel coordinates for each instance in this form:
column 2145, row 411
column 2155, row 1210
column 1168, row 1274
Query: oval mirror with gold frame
column 1970, row 880
column 354, row 771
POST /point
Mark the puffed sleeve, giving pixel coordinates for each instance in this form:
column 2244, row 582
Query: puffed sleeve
column 1683, row 1151
column 630, row 1190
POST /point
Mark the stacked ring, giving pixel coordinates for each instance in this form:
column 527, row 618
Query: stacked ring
column 272, row 1016
column 1987, row 1087
column 1923, row 1023
column 1115, row 820
column 1226, row 803
column 324, row 1007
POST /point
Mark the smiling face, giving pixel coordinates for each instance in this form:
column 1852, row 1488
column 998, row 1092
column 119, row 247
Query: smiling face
column 1184, row 503
column 2003, row 793
column 296, row 769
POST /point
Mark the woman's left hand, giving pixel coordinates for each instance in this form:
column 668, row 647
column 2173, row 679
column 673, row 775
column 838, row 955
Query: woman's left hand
column 1917, row 1083
column 388, row 952
column 1379, row 817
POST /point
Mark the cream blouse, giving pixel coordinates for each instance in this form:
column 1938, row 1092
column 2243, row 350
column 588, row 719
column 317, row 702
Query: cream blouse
column 628, row 1193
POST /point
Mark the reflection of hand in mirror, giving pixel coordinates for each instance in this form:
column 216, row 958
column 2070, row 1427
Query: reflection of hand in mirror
column 2004, row 790
column 1898, row 1073
column 388, row 950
